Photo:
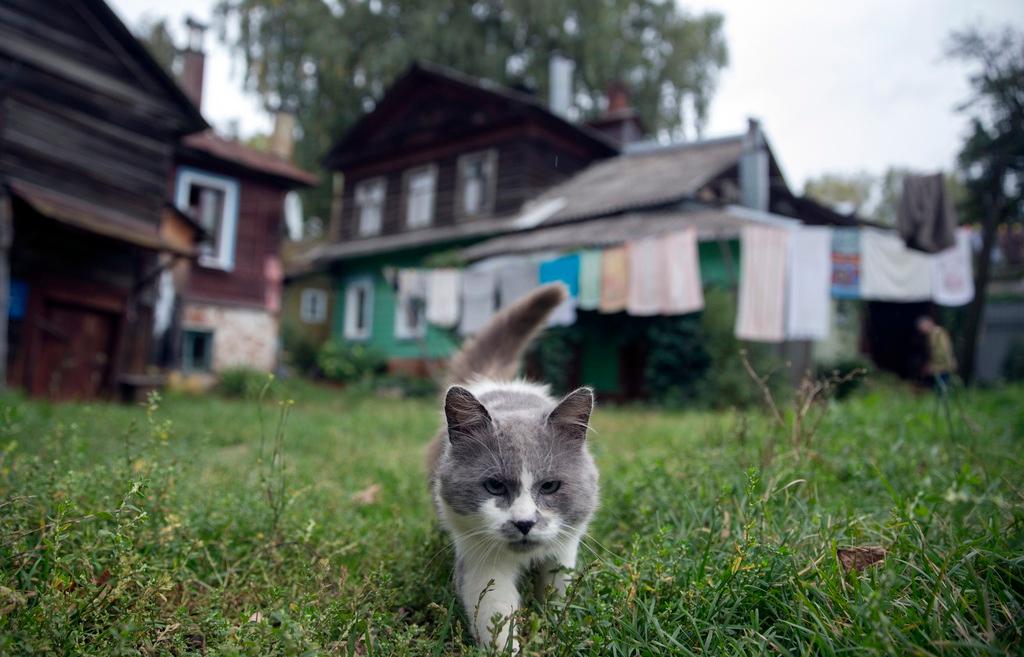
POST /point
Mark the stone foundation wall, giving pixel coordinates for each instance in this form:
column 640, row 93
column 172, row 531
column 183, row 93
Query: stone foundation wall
column 242, row 337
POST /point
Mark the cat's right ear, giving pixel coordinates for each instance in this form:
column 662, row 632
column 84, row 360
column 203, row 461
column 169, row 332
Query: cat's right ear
column 464, row 413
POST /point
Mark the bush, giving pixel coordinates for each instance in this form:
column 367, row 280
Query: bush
column 242, row 382
column 300, row 351
column 727, row 382
column 677, row 360
column 346, row 362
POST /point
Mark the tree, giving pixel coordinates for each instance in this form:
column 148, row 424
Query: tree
column 991, row 160
column 846, row 193
column 159, row 40
column 329, row 61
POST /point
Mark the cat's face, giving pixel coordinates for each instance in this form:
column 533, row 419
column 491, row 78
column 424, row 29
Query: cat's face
column 519, row 474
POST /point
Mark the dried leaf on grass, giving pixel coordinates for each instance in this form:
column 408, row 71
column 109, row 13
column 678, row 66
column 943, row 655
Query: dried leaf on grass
column 368, row 495
column 859, row 558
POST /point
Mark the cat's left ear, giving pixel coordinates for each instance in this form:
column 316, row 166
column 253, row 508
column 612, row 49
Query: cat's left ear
column 571, row 417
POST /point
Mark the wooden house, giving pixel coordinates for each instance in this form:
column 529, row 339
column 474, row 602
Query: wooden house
column 224, row 312
column 89, row 123
column 442, row 161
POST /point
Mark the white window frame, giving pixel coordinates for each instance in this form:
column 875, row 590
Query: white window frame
column 490, row 160
column 224, row 258
column 313, row 306
column 351, row 330
column 361, row 192
column 407, row 198
column 403, row 329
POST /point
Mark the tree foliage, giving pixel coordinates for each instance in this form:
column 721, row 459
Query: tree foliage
column 329, row 61
column 156, row 35
column 846, row 193
column 991, row 160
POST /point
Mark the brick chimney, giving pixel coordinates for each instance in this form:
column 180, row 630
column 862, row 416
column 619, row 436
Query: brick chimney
column 620, row 121
column 194, row 62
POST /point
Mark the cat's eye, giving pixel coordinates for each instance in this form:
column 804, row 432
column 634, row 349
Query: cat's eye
column 549, row 487
column 495, row 486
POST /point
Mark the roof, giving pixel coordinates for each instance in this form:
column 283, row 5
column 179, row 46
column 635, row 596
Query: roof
column 193, row 119
column 234, row 152
column 92, row 218
column 409, row 239
column 712, row 223
column 423, row 73
column 645, row 178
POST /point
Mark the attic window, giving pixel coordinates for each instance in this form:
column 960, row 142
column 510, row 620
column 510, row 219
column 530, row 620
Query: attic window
column 476, row 183
column 419, row 196
column 212, row 202
column 370, row 206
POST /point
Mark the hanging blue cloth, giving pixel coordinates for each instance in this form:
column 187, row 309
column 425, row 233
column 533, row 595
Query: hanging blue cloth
column 565, row 269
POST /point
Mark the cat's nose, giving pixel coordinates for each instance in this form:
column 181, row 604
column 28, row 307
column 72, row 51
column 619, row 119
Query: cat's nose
column 524, row 525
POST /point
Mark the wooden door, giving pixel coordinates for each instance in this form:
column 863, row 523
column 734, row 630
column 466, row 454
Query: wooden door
column 77, row 351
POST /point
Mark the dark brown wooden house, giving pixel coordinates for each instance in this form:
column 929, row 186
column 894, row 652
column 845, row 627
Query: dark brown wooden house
column 88, row 127
column 225, row 312
column 444, row 159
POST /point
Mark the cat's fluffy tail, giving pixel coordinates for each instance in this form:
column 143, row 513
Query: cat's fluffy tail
column 495, row 352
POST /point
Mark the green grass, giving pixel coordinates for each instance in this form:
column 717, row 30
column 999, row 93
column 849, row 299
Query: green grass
column 127, row 530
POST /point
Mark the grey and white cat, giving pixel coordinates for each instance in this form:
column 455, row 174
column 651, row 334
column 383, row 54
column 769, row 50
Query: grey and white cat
column 512, row 479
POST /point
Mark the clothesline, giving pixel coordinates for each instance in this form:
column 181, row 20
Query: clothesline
column 788, row 277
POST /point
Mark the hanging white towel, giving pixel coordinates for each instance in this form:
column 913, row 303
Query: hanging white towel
column 808, row 293
column 477, row 300
column 443, row 286
column 952, row 274
column 646, row 285
column 516, row 279
column 681, row 264
column 762, row 299
column 892, row 272
column 564, row 313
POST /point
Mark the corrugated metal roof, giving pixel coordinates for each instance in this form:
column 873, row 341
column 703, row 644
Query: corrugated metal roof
column 644, row 179
column 711, row 224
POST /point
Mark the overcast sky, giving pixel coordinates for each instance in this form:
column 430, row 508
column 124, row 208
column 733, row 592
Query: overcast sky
column 839, row 86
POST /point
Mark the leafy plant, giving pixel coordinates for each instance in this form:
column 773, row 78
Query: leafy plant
column 242, row 382
column 347, row 362
column 677, row 360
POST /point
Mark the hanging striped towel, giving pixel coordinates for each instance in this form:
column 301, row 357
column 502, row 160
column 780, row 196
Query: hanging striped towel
column 761, row 316
column 590, row 280
column 614, row 280
column 681, row 263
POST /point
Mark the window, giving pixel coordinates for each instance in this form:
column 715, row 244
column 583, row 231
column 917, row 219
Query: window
column 212, row 202
column 370, row 206
column 419, row 196
column 476, row 183
column 313, row 306
column 197, row 350
column 358, row 309
column 411, row 304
